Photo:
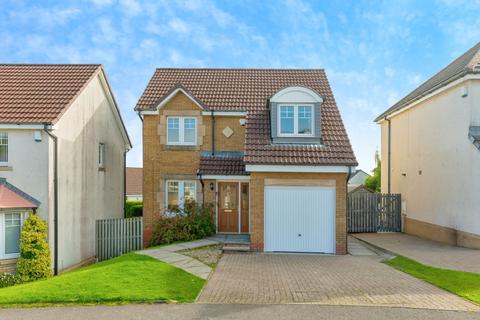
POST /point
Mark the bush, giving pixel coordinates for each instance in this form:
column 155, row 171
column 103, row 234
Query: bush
column 34, row 262
column 192, row 223
column 134, row 208
column 8, row 279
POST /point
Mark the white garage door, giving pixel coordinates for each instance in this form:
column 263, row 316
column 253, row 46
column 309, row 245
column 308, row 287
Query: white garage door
column 300, row 219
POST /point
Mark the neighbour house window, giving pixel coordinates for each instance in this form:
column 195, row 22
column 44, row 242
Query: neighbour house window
column 180, row 192
column 3, row 147
column 181, row 130
column 295, row 120
column 101, row 155
column 10, row 228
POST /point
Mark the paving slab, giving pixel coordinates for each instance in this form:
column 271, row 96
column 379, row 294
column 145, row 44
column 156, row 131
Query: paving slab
column 317, row 279
column 425, row 251
column 169, row 255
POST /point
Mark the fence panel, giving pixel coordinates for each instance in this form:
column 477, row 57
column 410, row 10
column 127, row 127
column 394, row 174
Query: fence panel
column 374, row 212
column 115, row 237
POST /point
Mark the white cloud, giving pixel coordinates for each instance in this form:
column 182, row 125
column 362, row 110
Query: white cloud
column 131, row 7
column 102, row 3
column 45, row 17
column 178, row 25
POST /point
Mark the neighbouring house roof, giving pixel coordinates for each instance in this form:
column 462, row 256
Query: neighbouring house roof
column 358, row 177
column 248, row 90
column 468, row 63
column 13, row 198
column 134, row 181
column 360, row 188
column 40, row 93
column 222, row 163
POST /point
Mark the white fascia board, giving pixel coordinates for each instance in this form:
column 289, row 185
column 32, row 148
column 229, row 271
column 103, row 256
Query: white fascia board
column 166, row 100
column 432, row 94
column 286, row 168
column 225, row 113
column 221, row 177
column 22, row 126
column 171, row 95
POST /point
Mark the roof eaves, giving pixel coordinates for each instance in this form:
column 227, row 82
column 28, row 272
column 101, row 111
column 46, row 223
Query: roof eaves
column 399, row 106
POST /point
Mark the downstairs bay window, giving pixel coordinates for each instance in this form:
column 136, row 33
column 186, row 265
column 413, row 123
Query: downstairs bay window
column 179, row 192
column 10, row 229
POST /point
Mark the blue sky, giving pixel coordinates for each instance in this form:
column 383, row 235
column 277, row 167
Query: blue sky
column 374, row 52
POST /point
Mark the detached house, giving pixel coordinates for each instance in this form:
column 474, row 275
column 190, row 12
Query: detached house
column 267, row 147
column 431, row 154
column 62, row 156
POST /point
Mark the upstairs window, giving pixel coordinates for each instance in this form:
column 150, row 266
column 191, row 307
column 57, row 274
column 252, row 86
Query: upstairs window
column 181, row 130
column 101, row 155
column 3, row 147
column 295, row 120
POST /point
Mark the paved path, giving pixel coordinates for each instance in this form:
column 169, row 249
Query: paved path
column 332, row 280
column 240, row 312
column 425, row 251
column 168, row 254
column 358, row 248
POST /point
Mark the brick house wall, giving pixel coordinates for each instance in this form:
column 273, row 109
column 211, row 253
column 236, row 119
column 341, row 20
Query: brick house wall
column 162, row 161
column 257, row 184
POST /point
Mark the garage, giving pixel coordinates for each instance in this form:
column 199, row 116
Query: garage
column 300, row 219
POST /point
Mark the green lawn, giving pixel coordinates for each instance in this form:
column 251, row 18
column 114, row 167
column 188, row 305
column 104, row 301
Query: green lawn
column 131, row 277
column 463, row 284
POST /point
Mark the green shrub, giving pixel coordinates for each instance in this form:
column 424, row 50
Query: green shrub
column 134, row 208
column 8, row 279
column 192, row 223
column 34, row 262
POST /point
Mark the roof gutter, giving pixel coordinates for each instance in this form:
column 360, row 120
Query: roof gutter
column 55, row 196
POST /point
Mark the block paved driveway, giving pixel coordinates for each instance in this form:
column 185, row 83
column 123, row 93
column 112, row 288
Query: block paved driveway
column 332, row 280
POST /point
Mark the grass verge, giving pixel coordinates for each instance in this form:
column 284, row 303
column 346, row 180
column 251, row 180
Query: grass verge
column 128, row 278
column 463, row 284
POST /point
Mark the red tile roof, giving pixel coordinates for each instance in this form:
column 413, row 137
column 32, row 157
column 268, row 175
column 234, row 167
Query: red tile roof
column 223, row 163
column 134, row 181
column 13, row 198
column 39, row 93
column 249, row 90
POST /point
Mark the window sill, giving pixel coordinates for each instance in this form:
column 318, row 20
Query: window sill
column 103, row 169
column 5, row 167
column 180, row 147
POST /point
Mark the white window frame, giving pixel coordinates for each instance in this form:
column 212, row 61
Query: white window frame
column 295, row 120
column 181, row 131
column 101, row 155
column 3, row 255
column 181, row 192
column 5, row 163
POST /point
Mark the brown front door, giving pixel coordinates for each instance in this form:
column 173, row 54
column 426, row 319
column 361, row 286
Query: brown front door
column 227, row 207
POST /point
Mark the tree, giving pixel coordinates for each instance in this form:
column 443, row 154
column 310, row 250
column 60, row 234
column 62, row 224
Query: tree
column 373, row 183
column 34, row 262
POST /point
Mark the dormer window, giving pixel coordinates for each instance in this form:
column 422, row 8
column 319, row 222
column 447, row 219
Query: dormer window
column 295, row 120
column 296, row 116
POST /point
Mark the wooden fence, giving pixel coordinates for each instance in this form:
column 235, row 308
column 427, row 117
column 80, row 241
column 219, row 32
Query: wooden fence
column 115, row 237
column 374, row 212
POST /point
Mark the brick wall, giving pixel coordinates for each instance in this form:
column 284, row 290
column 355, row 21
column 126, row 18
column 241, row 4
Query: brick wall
column 161, row 161
column 257, row 184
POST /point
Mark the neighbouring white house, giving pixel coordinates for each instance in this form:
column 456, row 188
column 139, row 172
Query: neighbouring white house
column 431, row 154
column 134, row 184
column 62, row 155
column 357, row 179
